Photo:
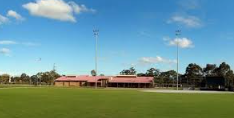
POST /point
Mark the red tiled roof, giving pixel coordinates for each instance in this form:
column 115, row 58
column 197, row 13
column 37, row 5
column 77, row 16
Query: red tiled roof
column 131, row 80
column 85, row 78
column 111, row 79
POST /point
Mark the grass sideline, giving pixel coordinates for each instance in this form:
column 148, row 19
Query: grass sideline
column 14, row 85
column 106, row 103
column 22, row 85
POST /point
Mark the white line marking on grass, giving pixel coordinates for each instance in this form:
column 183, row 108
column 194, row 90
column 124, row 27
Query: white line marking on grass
column 188, row 91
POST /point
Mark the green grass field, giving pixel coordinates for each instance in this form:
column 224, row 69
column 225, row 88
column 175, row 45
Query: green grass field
column 103, row 103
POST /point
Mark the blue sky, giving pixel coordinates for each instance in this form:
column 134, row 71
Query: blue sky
column 132, row 33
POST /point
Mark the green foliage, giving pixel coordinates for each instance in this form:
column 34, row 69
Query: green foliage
column 130, row 71
column 93, row 73
column 229, row 78
column 141, row 74
column 222, row 70
column 153, row 72
column 209, row 70
column 47, row 78
column 194, row 74
column 4, row 78
column 166, row 78
column 34, row 79
column 25, row 78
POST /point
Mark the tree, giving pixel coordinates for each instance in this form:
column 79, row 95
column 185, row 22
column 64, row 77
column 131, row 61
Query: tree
column 193, row 74
column 168, row 77
column 25, row 78
column 222, row 71
column 39, row 78
column 48, row 77
column 229, row 78
column 209, row 70
column 15, row 79
column 125, row 72
column 54, row 75
column 34, row 79
column 152, row 72
column 93, row 73
column 130, row 71
column 4, row 78
column 141, row 74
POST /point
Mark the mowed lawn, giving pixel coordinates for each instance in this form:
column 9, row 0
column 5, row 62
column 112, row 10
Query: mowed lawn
column 104, row 103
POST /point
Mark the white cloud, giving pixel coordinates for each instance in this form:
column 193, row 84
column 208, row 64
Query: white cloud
column 182, row 42
column 166, row 38
column 186, row 20
column 3, row 19
column 144, row 33
column 7, row 42
column 10, row 42
column 226, row 35
column 30, row 44
column 56, row 9
column 155, row 60
column 15, row 15
column 189, row 4
column 5, row 51
column 80, row 8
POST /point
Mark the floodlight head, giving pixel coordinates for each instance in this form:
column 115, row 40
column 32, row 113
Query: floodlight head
column 95, row 31
column 177, row 32
column 39, row 60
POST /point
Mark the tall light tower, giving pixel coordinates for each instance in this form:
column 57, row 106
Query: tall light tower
column 96, row 33
column 177, row 33
column 39, row 60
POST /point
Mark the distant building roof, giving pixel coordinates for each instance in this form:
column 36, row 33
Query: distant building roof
column 135, row 79
column 85, row 78
column 111, row 79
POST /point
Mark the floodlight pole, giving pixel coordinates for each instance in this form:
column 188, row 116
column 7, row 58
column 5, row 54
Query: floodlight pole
column 96, row 32
column 54, row 67
column 39, row 60
column 177, row 33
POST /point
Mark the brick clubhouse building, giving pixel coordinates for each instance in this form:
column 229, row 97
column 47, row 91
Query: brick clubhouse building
column 125, row 81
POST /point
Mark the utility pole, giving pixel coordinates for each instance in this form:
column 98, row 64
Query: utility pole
column 96, row 33
column 177, row 33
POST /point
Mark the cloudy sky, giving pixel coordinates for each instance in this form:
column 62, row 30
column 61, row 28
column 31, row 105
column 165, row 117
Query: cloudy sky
column 35, row 34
